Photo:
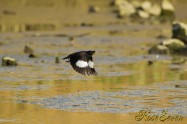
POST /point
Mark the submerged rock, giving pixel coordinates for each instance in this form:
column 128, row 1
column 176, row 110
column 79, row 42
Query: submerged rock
column 7, row 61
column 179, row 31
column 159, row 49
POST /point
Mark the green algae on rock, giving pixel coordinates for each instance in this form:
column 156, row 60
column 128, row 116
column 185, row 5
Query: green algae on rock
column 179, row 31
column 7, row 61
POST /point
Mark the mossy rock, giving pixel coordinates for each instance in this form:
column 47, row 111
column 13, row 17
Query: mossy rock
column 7, row 61
column 179, row 31
column 57, row 60
column 174, row 45
column 94, row 9
column 168, row 10
column 32, row 55
column 28, row 49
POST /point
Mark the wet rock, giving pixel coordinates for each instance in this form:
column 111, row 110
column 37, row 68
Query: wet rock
column 179, row 31
column 57, row 60
column 125, row 8
column 38, row 27
column 1, row 43
column 7, row 61
column 32, row 55
column 83, row 24
column 94, row 9
column 28, row 49
column 146, row 5
column 167, row 8
column 8, row 12
column 178, row 61
column 154, row 10
column 161, row 36
column 72, row 40
column 174, row 45
column 150, row 62
column 143, row 14
column 136, row 3
column 159, row 49
column 181, row 86
column 167, row 5
column 116, row 2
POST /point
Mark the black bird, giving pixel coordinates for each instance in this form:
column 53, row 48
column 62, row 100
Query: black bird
column 82, row 62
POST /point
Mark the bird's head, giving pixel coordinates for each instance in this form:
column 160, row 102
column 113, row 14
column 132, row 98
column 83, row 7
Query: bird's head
column 90, row 52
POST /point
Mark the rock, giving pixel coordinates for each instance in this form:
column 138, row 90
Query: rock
column 32, row 55
column 181, row 86
column 126, row 9
column 159, row 49
column 9, row 12
column 167, row 8
column 28, row 49
column 57, row 60
column 161, row 36
column 178, row 60
column 72, row 40
column 1, row 43
column 94, row 9
column 143, row 14
column 179, row 31
column 136, row 3
column 7, row 61
column 150, row 62
column 174, row 45
column 83, row 24
column 155, row 10
column 146, row 5
column 167, row 5
column 116, row 2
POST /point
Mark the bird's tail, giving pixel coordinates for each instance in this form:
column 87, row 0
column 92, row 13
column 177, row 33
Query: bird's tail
column 66, row 58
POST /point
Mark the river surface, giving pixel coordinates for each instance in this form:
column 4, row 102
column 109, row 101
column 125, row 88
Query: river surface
column 40, row 91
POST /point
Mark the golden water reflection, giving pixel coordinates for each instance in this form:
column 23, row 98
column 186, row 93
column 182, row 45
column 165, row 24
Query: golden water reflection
column 13, row 112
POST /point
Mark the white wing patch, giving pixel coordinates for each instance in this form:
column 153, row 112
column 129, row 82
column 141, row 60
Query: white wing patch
column 81, row 64
column 91, row 64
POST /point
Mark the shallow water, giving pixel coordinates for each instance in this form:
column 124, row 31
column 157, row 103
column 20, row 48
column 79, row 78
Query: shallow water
column 40, row 91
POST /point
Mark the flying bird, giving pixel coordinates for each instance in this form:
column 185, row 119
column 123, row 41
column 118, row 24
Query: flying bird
column 82, row 62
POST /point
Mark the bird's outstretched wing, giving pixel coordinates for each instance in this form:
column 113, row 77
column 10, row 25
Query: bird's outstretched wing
column 82, row 64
